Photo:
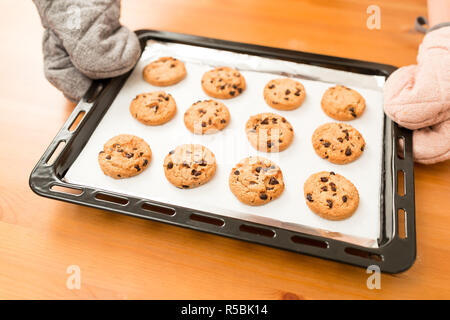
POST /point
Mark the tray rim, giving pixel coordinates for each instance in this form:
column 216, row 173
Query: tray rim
column 393, row 255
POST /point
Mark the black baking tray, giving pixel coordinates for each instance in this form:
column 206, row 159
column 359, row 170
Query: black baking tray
column 397, row 250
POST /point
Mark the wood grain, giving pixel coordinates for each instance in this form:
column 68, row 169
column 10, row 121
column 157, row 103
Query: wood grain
column 127, row 258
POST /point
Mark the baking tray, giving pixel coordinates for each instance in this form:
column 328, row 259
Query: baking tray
column 396, row 248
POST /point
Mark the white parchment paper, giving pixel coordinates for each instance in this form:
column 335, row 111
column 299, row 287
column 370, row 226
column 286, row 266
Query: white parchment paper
column 230, row 145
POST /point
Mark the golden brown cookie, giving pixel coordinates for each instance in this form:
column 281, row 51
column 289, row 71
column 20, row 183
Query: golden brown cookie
column 189, row 166
column 339, row 143
column 269, row 132
column 223, row 83
column 153, row 108
column 330, row 195
column 206, row 117
column 284, row 94
column 256, row 181
column 342, row 103
column 165, row 71
column 124, row 156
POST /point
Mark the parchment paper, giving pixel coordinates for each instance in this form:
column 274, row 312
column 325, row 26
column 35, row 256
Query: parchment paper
column 230, row 145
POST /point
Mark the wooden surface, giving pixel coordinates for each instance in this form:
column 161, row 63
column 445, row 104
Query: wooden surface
column 126, row 258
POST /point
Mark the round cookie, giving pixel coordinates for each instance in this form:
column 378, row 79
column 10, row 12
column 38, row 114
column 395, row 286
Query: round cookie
column 124, row 156
column 342, row 103
column 339, row 143
column 284, row 94
column 256, row 181
column 189, row 166
column 223, row 83
column 330, row 195
column 206, row 117
column 153, row 108
column 269, row 132
column 165, row 71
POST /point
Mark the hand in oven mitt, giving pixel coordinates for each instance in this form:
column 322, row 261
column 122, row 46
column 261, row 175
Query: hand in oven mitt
column 417, row 97
column 83, row 40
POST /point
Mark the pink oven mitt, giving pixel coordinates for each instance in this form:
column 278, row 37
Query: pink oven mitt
column 417, row 97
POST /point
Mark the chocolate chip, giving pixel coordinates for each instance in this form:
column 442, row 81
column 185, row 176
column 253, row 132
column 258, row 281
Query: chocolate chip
column 273, row 181
column 101, row 152
column 287, row 91
column 145, row 162
column 120, row 150
column 271, row 86
column 332, row 173
column 202, row 163
column 172, row 65
column 166, row 98
column 330, row 203
column 196, row 173
column 324, row 188
column 172, row 152
column 108, row 157
column 223, row 121
column 203, row 124
column 348, row 152
column 141, row 154
column 119, row 175
column 340, row 140
column 297, row 93
column 236, row 172
column 283, row 120
column 326, row 144
column 274, row 120
column 265, row 121
column 129, row 155
column 137, row 167
column 232, row 93
column 333, row 186
column 169, row 165
column 263, row 196
column 185, row 186
column 309, row 197
column 239, row 90
column 222, row 87
column 269, row 144
column 324, row 179
column 362, row 148
column 209, row 121
column 258, row 169
column 185, row 164
column 347, row 137
column 344, row 198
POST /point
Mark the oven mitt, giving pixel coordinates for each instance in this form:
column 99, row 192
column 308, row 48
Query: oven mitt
column 417, row 97
column 84, row 40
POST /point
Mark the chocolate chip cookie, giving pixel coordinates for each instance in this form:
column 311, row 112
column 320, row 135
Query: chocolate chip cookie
column 342, row 103
column 206, row 117
column 269, row 132
column 256, row 181
column 339, row 143
column 284, row 94
column 153, row 108
column 165, row 71
column 124, row 156
column 189, row 166
column 223, row 83
column 331, row 196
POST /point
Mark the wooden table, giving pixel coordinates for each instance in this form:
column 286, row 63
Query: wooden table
column 126, row 258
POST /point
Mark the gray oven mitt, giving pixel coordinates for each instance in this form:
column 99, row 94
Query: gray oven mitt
column 84, row 40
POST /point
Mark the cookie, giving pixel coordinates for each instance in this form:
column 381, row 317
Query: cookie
column 256, row 181
column 342, row 103
column 339, row 143
column 165, row 71
column 284, row 94
column 153, row 108
column 223, row 83
column 330, row 195
column 269, row 132
column 206, row 117
column 189, row 166
column 124, row 156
